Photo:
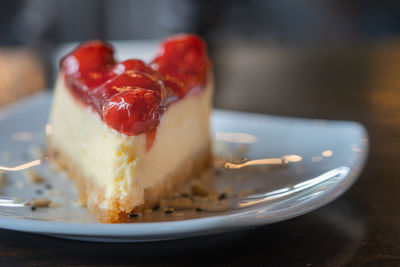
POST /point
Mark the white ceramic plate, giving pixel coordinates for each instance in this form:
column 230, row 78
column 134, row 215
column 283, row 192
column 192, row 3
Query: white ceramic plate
column 323, row 159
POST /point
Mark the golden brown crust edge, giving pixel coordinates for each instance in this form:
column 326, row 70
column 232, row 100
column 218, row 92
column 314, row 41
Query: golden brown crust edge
column 152, row 196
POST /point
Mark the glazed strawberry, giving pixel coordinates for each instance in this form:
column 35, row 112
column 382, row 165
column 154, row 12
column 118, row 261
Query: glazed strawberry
column 89, row 56
column 183, row 58
column 87, row 67
column 184, row 52
column 175, row 88
column 130, row 79
column 134, row 111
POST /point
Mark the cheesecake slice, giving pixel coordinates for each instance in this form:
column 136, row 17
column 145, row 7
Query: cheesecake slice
column 130, row 133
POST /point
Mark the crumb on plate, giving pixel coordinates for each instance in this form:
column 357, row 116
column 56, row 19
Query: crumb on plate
column 33, row 176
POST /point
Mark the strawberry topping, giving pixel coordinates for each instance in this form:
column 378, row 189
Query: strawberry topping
column 134, row 111
column 131, row 96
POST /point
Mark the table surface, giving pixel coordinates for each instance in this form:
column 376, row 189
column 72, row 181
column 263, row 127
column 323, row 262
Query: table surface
column 361, row 228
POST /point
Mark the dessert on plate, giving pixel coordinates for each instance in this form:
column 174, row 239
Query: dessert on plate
column 129, row 133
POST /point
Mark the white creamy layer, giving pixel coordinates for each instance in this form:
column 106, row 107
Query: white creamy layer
column 121, row 163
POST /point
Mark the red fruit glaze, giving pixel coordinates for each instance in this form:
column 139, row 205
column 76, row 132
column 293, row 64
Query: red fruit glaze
column 150, row 137
column 132, row 64
column 134, row 111
column 126, row 81
column 183, row 61
column 89, row 63
column 131, row 96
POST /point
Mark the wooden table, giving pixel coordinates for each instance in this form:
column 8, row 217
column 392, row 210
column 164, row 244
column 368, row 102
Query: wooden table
column 362, row 228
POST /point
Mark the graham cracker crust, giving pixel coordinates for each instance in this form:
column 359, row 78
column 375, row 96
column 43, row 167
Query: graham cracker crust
column 91, row 194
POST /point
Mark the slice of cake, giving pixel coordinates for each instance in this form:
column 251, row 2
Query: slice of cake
column 130, row 133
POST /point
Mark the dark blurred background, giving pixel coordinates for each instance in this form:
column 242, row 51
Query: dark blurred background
column 267, row 54
column 311, row 22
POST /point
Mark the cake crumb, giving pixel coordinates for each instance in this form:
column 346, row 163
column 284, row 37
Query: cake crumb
column 212, row 196
column 38, row 202
column 33, row 176
column 198, row 190
column 181, row 203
